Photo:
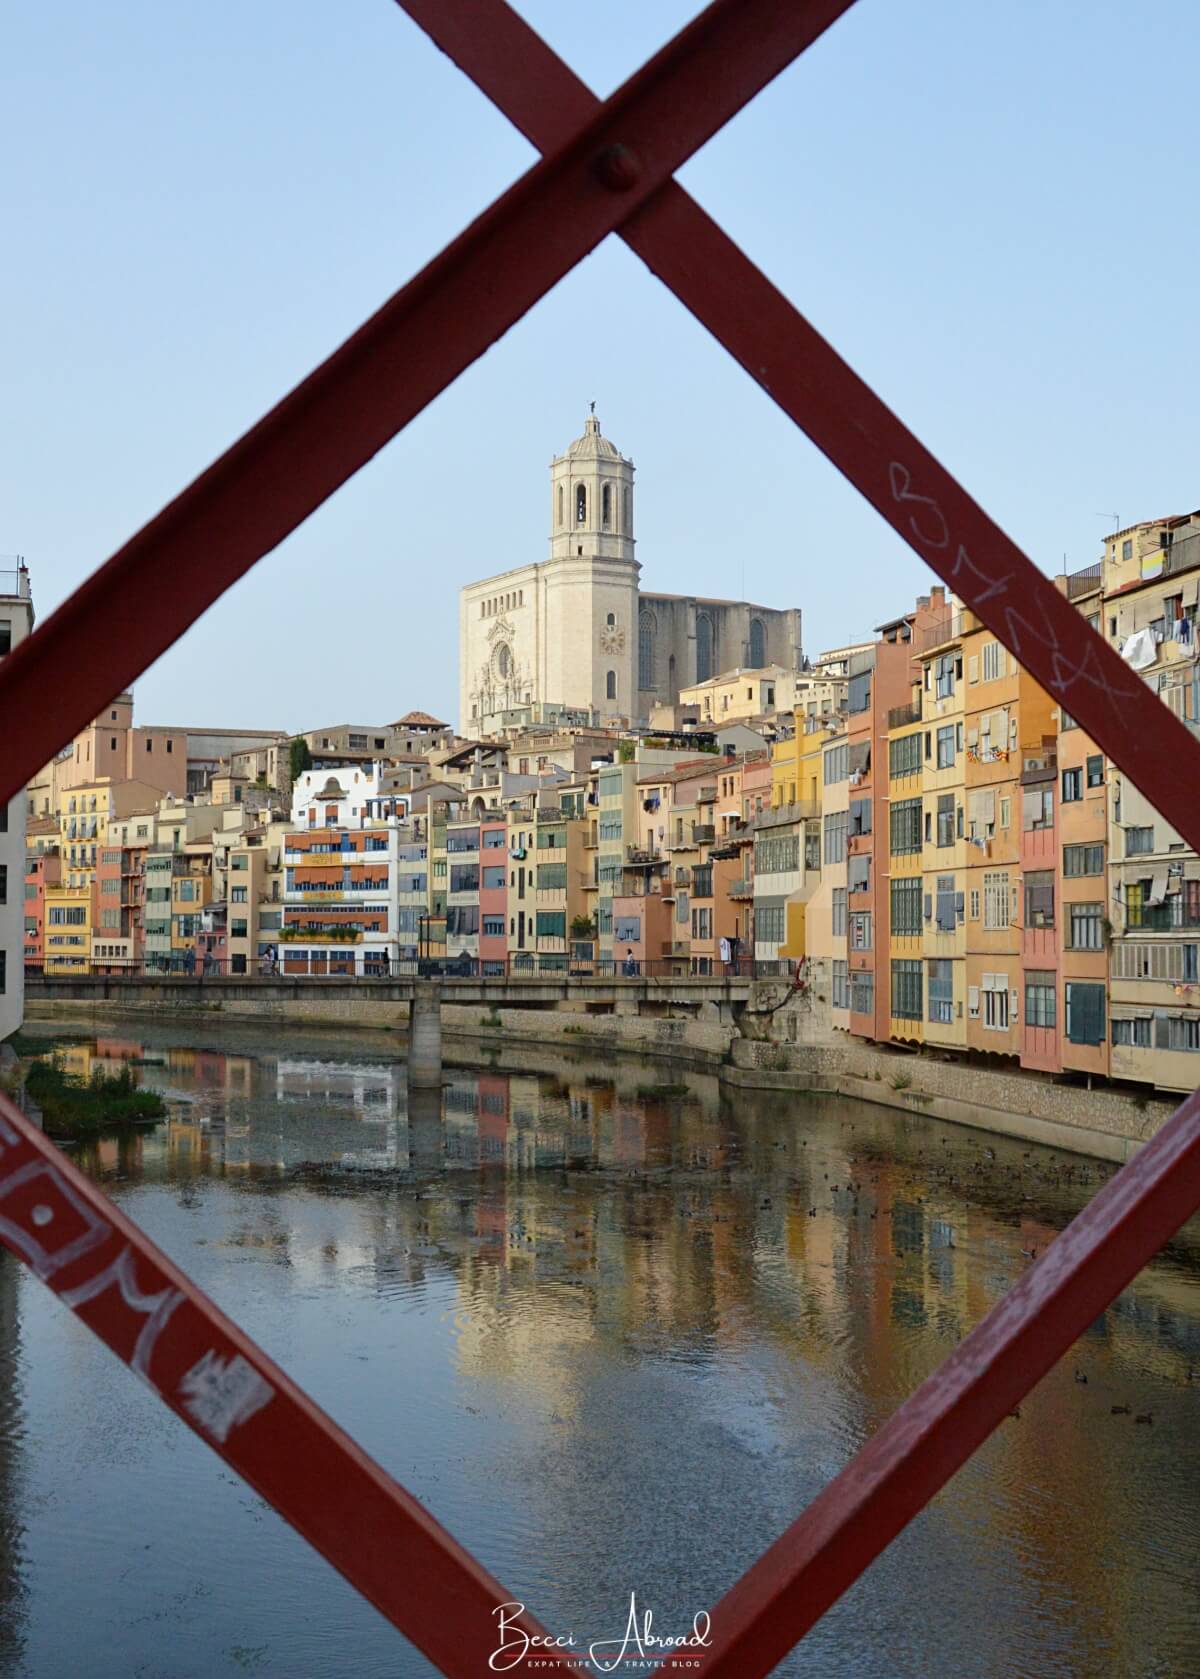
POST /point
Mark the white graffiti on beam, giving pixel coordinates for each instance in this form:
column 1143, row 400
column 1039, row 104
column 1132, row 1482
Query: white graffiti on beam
column 155, row 1308
column 1067, row 670
column 221, row 1394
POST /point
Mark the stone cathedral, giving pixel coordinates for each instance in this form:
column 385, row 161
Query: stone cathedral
column 575, row 638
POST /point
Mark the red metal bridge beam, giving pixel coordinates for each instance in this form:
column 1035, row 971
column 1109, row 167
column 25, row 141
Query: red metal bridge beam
column 226, row 1389
column 244, row 505
column 799, row 370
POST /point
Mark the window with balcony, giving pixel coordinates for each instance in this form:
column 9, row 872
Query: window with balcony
column 941, row 992
column 907, row 979
column 906, row 907
column 904, row 755
column 1039, row 898
column 904, row 821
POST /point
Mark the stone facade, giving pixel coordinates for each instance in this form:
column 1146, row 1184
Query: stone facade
column 577, row 632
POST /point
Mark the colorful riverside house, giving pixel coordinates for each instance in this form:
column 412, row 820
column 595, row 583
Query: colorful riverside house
column 493, row 894
column 341, row 875
column 559, row 897
column 1008, row 717
column 619, row 796
column 918, row 987
column 1151, row 581
column 939, row 649
column 835, row 818
column 462, row 889
column 879, row 683
column 42, row 869
column 1084, row 912
column 1041, row 910
column 522, row 876
column 191, row 890
column 781, row 871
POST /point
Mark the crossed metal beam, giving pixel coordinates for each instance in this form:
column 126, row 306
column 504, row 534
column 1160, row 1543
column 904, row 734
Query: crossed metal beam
column 609, row 172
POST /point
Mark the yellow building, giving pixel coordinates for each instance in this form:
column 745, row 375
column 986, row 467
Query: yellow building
column 943, row 832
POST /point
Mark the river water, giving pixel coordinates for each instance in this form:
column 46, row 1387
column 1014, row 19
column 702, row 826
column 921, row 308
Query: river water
column 615, row 1334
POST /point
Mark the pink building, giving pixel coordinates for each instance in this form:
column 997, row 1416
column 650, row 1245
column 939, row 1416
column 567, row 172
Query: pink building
column 493, row 895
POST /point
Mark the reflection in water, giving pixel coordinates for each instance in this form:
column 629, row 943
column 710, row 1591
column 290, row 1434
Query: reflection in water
column 615, row 1335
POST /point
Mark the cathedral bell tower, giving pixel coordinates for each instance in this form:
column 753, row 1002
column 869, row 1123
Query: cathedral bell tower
column 592, row 577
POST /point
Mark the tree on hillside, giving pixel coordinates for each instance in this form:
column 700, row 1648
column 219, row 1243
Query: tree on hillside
column 299, row 757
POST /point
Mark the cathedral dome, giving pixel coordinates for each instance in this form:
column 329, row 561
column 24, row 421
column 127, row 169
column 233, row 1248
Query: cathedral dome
column 591, row 445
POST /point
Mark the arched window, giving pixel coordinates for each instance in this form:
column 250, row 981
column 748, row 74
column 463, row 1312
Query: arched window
column 503, row 661
column 758, row 644
column 672, row 690
column 580, row 504
column 610, row 685
column 646, row 629
column 562, row 505
column 606, row 507
column 627, row 511
column 704, row 647
column 611, row 620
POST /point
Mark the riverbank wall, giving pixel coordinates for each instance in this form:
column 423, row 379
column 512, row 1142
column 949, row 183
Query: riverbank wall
column 798, row 1055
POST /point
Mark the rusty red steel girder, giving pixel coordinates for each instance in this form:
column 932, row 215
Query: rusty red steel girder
column 612, row 171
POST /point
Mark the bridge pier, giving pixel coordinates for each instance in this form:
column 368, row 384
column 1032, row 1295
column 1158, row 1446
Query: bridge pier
column 425, row 1036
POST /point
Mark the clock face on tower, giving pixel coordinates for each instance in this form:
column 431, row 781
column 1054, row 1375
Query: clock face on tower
column 612, row 640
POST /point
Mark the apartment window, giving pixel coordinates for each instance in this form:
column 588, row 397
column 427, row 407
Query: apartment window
column 1138, row 840
column 770, row 923
column 838, row 912
column 1039, row 998
column 1095, row 771
column 860, row 930
column 1072, row 786
column 110, row 888
column 1039, row 898
column 858, row 874
column 945, row 747
column 835, row 837
column 837, row 765
column 858, row 693
column 1085, row 1013
column 3, row 883
column 1005, row 814
column 943, row 684
column 3, row 972
column 238, row 930
column 906, row 990
column 1127, row 548
column 860, row 816
column 238, row 895
column 904, row 821
column 702, row 923
column 1190, row 971
column 552, row 924
column 945, row 819
column 840, row 995
column 993, row 661
column 906, row 907
column 904, row 755
column 1132, row 1034
column 948, row 904
column 1176, row 1031
column 1037, row 808
column 941, row 992
column 995, row 1002
column 862, row 992
column 995, row 899
column 1083, row 860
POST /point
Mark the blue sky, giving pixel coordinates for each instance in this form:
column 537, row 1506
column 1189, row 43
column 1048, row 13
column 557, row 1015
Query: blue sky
column 989, row 211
